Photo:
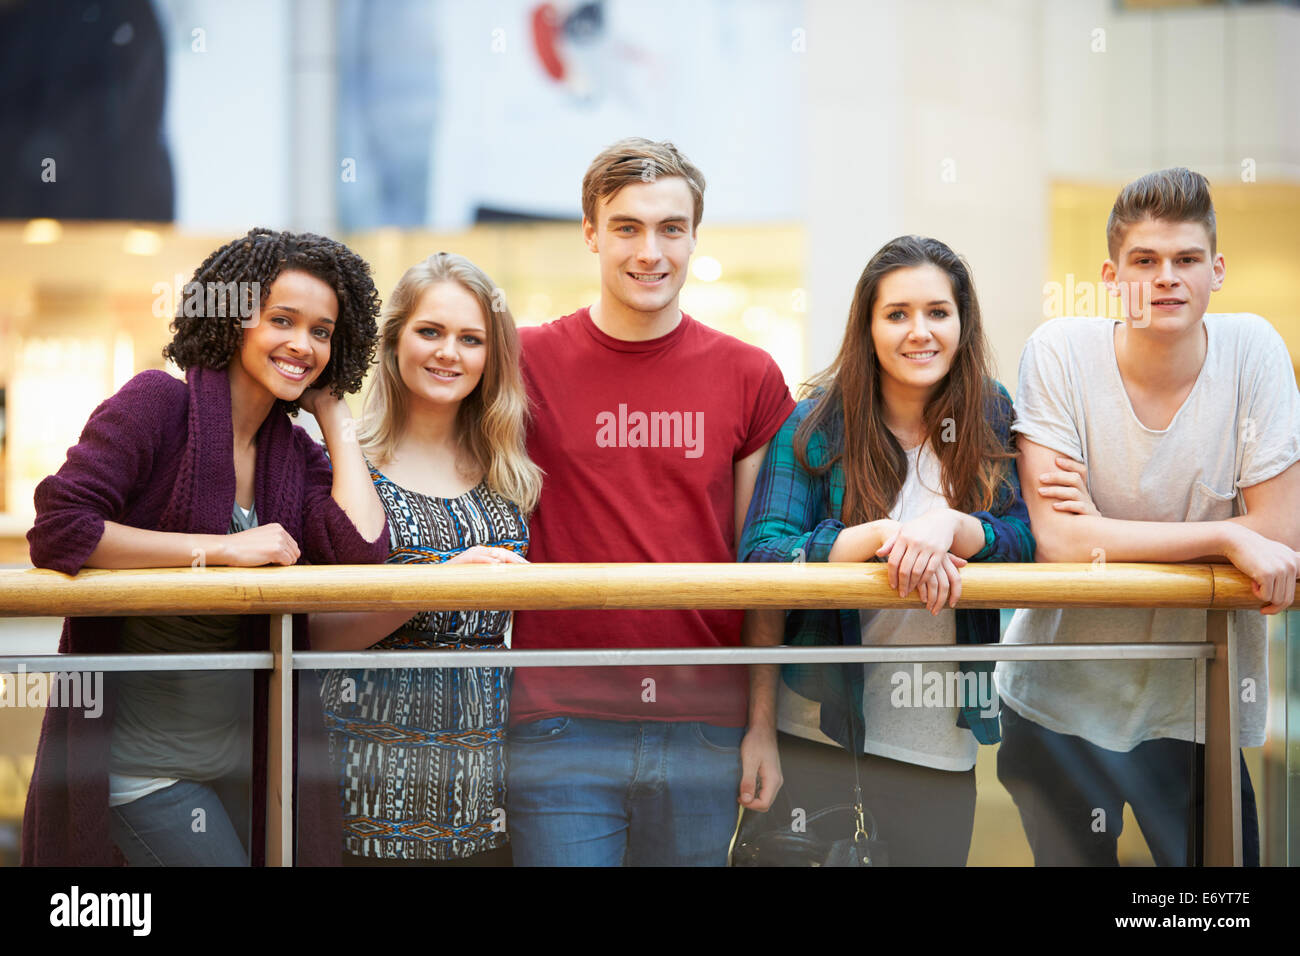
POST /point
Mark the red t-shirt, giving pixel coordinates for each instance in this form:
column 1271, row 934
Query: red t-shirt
column 639, row 441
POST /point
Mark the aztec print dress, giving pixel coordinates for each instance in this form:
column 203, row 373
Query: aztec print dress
column 421, row 751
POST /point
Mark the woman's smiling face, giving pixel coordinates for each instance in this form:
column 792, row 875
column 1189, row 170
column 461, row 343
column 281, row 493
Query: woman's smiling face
column 289, row 345
column 915, row 327
column 442, row 351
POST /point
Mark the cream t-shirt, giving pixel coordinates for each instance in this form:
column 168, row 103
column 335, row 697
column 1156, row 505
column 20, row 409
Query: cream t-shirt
column 1239, row 426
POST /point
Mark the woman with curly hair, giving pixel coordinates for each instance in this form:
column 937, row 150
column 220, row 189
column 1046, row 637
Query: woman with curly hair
column 420, row 751
column 209, row 471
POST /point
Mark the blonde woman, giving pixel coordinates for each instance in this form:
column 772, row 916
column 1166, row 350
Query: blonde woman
column 420, row 750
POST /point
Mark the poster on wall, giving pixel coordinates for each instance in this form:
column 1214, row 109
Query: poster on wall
column 459, row 113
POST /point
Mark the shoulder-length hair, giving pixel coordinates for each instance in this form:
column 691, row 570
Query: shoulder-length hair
column 492, row 419
column 850, row 414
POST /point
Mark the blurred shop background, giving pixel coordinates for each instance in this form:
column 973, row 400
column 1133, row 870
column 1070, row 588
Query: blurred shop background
column 138, row 136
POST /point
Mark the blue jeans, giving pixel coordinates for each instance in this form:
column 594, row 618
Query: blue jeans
column 159, row 829
column 584, row 792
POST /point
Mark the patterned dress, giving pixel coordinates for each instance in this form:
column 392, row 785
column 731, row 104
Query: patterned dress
column 421, row 750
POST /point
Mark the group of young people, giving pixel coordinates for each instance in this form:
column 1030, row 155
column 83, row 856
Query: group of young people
column 629, row 432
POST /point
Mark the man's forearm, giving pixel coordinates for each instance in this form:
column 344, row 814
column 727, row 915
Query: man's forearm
column 1081, row 536
column 763, row 628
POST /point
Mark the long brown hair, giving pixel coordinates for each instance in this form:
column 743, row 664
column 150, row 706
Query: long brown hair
column 492, row 419
column 955, row 421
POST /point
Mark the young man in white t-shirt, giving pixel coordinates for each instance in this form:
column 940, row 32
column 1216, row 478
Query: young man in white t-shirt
column 1171, row 436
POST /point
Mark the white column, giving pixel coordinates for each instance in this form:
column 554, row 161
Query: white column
column 315, row 163
column 926, row 117
column 854, row 155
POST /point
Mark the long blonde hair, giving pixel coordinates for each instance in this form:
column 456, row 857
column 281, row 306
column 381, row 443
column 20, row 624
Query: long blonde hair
column 492, row 419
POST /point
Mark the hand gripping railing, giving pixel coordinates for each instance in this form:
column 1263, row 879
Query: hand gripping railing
column 280, row 592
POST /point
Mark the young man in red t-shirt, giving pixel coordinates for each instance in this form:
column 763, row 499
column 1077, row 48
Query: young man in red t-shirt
column 651, row 428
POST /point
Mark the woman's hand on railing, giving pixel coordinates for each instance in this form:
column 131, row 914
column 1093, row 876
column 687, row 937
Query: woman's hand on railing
column 483, row 554
column 917, row 549
column 124, row 547
column 944, row 586
column 1271, row 566
column 265, row 544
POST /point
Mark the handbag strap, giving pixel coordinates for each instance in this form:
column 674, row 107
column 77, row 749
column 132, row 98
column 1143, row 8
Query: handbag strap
column 860, row 835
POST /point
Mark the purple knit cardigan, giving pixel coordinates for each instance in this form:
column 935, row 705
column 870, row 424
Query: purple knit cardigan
column 159, row 455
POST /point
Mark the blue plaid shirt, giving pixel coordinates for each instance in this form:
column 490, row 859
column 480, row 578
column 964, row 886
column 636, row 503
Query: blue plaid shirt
column 795, row 516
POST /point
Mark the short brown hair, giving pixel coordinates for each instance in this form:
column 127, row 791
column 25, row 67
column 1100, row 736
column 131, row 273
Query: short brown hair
column 637, row 160
column 1174, row 195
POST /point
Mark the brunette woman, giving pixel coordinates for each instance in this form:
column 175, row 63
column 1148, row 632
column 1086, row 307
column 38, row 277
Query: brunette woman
column 901, row 452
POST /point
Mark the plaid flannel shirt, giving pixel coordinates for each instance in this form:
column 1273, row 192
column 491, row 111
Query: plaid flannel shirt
column 795, row 516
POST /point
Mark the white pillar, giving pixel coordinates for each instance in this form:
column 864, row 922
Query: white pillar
column 313, row 150
column 854, row 155
column 926, row 117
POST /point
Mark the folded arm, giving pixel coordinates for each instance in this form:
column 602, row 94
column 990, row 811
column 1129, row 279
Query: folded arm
column 1270, row 560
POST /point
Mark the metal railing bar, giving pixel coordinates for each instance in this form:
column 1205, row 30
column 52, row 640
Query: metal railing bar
column 619, row 657
column 233, row 661
column 607, row 657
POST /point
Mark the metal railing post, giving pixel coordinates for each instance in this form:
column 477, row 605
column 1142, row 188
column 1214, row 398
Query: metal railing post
column 279, row 745
column 1222, row 769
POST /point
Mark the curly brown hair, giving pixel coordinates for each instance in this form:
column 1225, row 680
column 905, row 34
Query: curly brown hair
column 210, row 334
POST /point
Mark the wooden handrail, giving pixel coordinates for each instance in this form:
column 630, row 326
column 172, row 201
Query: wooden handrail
column 278, row 590
column 284, row 591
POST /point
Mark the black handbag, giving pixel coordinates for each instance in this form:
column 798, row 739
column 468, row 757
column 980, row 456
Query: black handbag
column 841, row 835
